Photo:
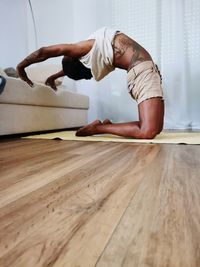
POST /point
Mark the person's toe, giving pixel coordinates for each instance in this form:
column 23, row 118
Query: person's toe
column 96, row 122
column 107, row 121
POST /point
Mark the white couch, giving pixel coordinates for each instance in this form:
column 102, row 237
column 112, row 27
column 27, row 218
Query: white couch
column 24, row 109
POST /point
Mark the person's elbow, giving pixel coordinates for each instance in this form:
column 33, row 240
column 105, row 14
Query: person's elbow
column 42, row 52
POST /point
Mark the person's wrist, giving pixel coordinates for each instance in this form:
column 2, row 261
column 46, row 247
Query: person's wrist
column 20, row 66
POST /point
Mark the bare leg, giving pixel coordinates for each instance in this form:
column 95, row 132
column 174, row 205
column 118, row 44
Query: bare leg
column 151, row 114
column 161, row 117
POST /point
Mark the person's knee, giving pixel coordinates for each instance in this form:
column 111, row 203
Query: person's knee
column 149, row 133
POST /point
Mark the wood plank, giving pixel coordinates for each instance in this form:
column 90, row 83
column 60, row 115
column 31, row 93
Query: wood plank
column 101, row 225
column 99, row 204
column 47, row 220
column 12, row 166
column 161, row 226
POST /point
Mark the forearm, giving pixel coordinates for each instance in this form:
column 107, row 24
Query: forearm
column 51, row 80
column 72, row 50
column 57, row 75
column 38, row 56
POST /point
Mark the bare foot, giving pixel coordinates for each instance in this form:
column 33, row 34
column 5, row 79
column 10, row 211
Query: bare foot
column 95, row 122
column 88, row 129
column 107, row 121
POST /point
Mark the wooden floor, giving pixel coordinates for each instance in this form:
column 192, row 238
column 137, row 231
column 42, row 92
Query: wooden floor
column 67, row 203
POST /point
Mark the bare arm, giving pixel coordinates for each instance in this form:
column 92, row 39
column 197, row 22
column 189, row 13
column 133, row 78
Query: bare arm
column 73, row 50
column 51, row 80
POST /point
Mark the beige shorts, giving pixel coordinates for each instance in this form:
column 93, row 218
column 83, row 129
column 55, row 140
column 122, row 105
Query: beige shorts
column 144, row 81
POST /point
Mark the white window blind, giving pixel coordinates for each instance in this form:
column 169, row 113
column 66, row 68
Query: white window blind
column 139, row 20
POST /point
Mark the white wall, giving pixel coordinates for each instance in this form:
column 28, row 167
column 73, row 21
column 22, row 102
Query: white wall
column 54, row 21
column 13, row 32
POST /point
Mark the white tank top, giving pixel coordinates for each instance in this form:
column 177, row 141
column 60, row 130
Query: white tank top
column 100, row 57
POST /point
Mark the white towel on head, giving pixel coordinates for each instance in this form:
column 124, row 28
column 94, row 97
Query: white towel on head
column 100, row 57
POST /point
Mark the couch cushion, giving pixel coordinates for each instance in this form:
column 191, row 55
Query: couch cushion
column 40, row 72
column 2, row 72
column 17, row 91
column 11, row 72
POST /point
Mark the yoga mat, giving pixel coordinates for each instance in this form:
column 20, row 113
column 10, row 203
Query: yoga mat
column 192, row 138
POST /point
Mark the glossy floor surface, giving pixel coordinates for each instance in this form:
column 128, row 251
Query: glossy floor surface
column 73, row 203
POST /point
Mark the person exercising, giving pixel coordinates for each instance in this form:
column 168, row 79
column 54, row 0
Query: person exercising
column 101, row 53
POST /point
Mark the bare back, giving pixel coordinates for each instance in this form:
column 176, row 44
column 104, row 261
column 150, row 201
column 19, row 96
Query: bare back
column 127, row 52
